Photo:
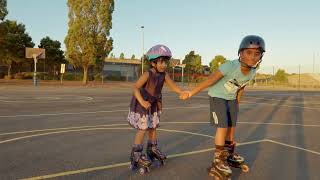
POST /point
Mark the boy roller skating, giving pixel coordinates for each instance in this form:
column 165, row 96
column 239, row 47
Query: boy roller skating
column 226, row 86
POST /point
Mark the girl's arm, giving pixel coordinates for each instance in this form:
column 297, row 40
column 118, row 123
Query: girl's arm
column 172, row 85
column 212, row 79
column 136, row 90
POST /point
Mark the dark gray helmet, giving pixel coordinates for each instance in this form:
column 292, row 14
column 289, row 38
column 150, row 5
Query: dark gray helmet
column 252, row 41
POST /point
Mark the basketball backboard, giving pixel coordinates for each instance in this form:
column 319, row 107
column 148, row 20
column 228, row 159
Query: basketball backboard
column 39, row 53
column 174, row 62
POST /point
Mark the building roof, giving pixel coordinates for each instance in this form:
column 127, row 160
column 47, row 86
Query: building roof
column 134, row 61
column 122, row 61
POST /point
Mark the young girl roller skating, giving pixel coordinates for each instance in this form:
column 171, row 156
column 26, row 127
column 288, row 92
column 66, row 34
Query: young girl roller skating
column 146, row 107
column 226, row 87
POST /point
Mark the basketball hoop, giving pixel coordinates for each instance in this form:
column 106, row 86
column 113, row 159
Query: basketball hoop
column 35, row 54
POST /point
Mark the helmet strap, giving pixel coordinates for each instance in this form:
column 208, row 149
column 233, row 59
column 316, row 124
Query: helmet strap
column 243, row 64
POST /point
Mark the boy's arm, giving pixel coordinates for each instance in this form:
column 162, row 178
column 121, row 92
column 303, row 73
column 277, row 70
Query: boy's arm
column 240, row 93
column 212, row 79
column 172, row 85
column 136, row 88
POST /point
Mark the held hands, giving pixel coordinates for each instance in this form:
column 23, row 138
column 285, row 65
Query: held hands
column 145, row 104
column 185, row 95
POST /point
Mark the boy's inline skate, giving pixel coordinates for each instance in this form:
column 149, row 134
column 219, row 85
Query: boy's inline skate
column 220, row 168
column 235, row 160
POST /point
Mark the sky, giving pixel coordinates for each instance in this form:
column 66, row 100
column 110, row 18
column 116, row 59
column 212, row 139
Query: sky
column 291, row 29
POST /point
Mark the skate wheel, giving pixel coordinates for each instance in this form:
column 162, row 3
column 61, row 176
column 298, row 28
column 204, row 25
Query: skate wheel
column 245, row 168
column 142, row 171
column 132, row 167
column 217, row 178
column 162, row 163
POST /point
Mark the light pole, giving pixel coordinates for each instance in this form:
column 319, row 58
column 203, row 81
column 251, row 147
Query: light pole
column 142, row 59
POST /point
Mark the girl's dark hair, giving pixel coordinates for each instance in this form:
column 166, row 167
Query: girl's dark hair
column 161, row 59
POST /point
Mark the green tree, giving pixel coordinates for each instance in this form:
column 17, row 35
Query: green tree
column 193, row 64
column 16, row 39
column 3, row 9
column 54, row 54
column 112, row 55
column 133, row 56
column 216, row 62
column 281, row 76
column 3, row 13
column 88, row 41
column 122, row 56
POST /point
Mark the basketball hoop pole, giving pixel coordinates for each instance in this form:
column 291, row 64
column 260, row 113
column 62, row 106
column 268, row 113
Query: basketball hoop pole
column 173, row 73
column 35, row 79
column 182, row 78
column 182, row 66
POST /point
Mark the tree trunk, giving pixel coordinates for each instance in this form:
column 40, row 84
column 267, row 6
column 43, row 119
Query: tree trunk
column 54, row 72
column 85, row 75
column 9, row 71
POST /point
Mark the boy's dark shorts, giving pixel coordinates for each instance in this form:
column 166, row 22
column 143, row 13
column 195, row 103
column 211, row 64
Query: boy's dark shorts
column 223, row 113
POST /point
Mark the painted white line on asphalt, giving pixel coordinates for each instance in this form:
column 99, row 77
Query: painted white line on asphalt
column 66, row 173
column 280, row 124
column 295, row 147
column 93, row 112
column 287, row 94
column 174, row 122
column 185, row 132
column 286, row 100
column 271, row 104
column 59, row 132
column 46, row 99
column 9, row 101
column 66, row 128
column 211, row 149
column 60, row 114
column 243, row 122
column 101, row 128
column 283, row 105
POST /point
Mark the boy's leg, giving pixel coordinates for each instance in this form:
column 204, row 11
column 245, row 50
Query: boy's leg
column 220, row 119
column 220, row 136
column 219, row 166
column 230, row 144
column 230, row 134
column 153, row 150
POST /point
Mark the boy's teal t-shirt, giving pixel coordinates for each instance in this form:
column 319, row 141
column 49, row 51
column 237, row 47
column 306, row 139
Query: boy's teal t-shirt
column 231, row 82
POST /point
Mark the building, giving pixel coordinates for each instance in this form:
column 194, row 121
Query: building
column 121, row 69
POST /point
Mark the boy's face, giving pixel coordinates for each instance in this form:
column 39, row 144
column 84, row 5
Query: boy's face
column 250, row 56
column 160, row 64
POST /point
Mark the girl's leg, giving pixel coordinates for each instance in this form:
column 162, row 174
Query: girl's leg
column 137, row 157
column 152, row 134
column 153, row 150
column 139, row 137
